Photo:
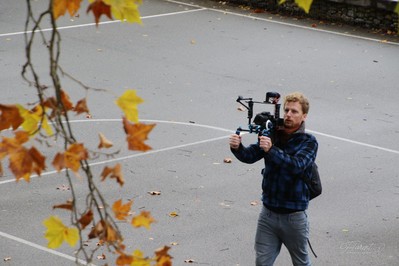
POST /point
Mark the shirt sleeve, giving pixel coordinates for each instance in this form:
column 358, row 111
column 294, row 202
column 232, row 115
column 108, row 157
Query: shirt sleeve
column 300, row 160
column 250, row 154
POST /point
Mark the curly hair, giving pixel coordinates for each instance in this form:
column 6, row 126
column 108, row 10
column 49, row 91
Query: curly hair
column 298, row 97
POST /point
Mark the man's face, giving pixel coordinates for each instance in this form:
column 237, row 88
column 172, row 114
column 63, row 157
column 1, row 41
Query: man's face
column 293, row 116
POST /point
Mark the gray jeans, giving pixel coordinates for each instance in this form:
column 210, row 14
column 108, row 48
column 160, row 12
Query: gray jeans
column 275, row 229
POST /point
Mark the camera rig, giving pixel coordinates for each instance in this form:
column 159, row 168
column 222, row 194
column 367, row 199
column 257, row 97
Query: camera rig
column 264, row 123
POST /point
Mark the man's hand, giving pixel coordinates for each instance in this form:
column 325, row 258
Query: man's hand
column 235, row 141
column 265, row 143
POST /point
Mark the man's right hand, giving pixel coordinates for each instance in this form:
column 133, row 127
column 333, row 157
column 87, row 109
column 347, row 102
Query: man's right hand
column 235, row 141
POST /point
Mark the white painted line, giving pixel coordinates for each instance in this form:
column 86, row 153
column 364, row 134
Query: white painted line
column 354, row 142
column 287, row 24
column 51, row 251
column 190, row 144
column 102, row 23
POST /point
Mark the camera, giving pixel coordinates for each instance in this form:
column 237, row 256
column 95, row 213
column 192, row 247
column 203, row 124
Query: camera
column 264, row 123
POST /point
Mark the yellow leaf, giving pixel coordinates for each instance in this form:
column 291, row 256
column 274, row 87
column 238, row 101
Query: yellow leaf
column 144, row 219
column 125, row 10
column 128, row 103
column 33, row 119
column 139, row 260
column 304, row 4
column 57, row 233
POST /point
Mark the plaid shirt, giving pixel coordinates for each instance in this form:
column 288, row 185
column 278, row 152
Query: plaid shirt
column 285, row 164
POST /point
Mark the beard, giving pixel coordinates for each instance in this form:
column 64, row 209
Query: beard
column 288, row 124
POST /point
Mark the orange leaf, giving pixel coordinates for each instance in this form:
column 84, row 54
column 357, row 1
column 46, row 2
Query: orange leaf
column 124, row 259
column 121, row 210
column 66, row 101
column 114, row 172
column 104, row 142
column 23, row 161
column 61, row 6
column 162, row 256
column 81, row 107
column 71, row 157
column 10, row 117
column 105, row 232
column 137, row 134
column 99, row 8
column 86, row 219
column 144, row 219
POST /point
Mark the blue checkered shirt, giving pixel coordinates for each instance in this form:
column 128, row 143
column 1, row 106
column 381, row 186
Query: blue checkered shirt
column 285, row 163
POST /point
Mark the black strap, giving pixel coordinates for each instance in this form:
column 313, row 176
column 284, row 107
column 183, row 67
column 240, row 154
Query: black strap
column 312, row 249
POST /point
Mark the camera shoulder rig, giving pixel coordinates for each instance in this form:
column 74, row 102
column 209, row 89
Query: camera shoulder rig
column 264, row 123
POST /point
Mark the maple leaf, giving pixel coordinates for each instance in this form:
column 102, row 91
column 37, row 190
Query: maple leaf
column 162, row 257
column 23, row 161
column 124, row 259
column 137, row 134
column 139, row 260
column 99, row 8
column 57, row 233
column 113, row 172
column 125, row 10
column 128, row 103
column 143, row 219
column 105, row 232
column 61, row 6
column 71, row 157
column 33, row 119
column 121, row 210
column 10, row 117
column 104, row 142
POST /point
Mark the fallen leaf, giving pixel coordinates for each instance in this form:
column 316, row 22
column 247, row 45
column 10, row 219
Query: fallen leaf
column 227, row 160
column 121, row 211
column 173, row 214
column 68, row 206
column 241, row 108
column 63, row 187
column 254, row 203
column 143, row 219
column 101, row 257
column 156, row 193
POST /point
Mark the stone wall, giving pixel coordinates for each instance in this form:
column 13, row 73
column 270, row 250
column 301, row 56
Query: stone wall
column 369, row 14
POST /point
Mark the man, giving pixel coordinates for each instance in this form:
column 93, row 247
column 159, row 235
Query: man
column 285, row 197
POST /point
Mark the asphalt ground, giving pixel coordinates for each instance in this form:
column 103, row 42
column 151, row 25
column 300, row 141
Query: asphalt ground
column 189, row 62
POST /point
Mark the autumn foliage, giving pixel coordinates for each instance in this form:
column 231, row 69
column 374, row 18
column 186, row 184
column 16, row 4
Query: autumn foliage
column 23, row 130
